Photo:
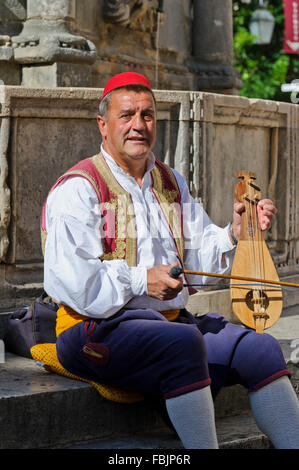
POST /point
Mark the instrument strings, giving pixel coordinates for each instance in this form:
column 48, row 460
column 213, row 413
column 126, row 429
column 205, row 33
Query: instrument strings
column 258, row 245
column 251, row 220
column 257, row 255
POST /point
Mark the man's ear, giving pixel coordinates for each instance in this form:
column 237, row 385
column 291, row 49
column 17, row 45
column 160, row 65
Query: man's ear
column 102, row 125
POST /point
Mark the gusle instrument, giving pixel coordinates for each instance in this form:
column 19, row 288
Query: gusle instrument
column 255, row 288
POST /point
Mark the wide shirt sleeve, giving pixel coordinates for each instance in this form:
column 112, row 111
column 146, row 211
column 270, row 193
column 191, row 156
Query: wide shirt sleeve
column 74, row 275
column 208, row 247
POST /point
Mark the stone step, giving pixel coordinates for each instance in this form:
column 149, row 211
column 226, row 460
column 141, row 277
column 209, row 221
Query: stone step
column 234, row 432
column 59, row 412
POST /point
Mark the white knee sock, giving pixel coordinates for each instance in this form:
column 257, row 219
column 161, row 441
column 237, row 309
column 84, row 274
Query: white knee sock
column 275, row 408
column 192, row 416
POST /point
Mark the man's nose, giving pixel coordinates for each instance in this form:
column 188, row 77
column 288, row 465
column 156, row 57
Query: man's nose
column 138, row 122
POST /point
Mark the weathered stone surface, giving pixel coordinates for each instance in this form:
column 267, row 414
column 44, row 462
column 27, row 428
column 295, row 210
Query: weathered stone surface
column 13, row 10
column 44, row 38
column 50, row 157
column 54, row 9
column 44, row 41
column 57, row 74
column 178, row 44
column 5, row 208
column 10, row 74
column 18, row 287
column 12, row 14
column 212, row 39
column 134, row 13
column 213, row 31
column 54, row 409
column 6, row 51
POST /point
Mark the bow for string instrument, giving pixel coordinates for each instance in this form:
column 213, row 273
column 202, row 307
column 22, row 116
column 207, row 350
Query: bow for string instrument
column 257, row 296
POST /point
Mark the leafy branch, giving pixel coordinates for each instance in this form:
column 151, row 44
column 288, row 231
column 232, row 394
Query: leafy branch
column 263, row 68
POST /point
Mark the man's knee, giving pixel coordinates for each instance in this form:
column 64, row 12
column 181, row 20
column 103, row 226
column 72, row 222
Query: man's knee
column 258, row 359
column 187, row 341
column 187, row 367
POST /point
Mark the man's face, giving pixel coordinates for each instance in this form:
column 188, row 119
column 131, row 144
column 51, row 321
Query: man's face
column 129, row 133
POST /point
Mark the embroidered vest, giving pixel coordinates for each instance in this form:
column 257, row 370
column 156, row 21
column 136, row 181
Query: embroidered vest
column 118, row 235
column 119, row 239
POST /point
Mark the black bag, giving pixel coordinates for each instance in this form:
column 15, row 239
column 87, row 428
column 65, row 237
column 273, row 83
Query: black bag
column 32, row 325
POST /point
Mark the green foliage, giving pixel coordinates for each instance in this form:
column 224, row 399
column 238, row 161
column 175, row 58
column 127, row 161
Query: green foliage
column 263, row 68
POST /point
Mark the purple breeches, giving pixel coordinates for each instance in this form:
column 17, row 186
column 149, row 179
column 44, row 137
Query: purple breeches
column 142, row 351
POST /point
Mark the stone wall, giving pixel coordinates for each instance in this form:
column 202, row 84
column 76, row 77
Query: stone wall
column 178, row 44
column 209, row 138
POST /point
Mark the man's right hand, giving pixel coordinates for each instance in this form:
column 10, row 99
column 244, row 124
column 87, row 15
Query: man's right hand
column 160, row 285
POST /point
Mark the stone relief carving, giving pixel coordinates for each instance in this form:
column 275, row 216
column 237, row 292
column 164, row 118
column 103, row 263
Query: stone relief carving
column 136, row 14
column 6, row 51
column 5, row 210
column 12, row 14
column 45, row 36
column 39, row 45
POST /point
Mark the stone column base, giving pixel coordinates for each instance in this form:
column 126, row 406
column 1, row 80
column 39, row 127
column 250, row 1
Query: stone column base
column 224, row 79
column 57, row 75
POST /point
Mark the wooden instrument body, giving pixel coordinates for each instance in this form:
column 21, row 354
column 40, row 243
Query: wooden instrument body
column 256, row 305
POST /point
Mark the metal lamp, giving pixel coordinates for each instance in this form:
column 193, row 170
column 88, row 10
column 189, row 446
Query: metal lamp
column 262, row 24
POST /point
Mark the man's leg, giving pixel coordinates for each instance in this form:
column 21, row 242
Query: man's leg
column 237, row 355
column 276, row 411
column 157, row 358
column 259, row 362
column 192, row 415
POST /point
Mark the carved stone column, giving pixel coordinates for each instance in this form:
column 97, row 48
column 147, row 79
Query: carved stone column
column 50, row 54
column 12, row 14
column 213, row 47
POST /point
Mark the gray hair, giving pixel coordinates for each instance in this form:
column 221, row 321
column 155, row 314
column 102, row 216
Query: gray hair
column 104, row 106
column 105, row 103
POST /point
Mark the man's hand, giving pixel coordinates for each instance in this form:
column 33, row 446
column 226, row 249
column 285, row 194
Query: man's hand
column 265, row 210
column 160, row 285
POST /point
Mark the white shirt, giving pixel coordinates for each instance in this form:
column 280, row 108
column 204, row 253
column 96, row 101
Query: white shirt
column 75, row 276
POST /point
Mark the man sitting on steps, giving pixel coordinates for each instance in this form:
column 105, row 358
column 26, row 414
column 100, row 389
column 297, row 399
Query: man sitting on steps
column 114, row 225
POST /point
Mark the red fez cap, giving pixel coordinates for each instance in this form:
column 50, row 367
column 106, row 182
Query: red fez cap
column 124, row 79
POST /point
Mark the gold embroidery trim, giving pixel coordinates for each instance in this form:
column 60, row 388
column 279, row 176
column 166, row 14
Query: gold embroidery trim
column 126, row 244
column 43, row 240
column 171, row 212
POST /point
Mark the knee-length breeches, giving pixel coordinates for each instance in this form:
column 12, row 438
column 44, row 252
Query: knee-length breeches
column 142, row 351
